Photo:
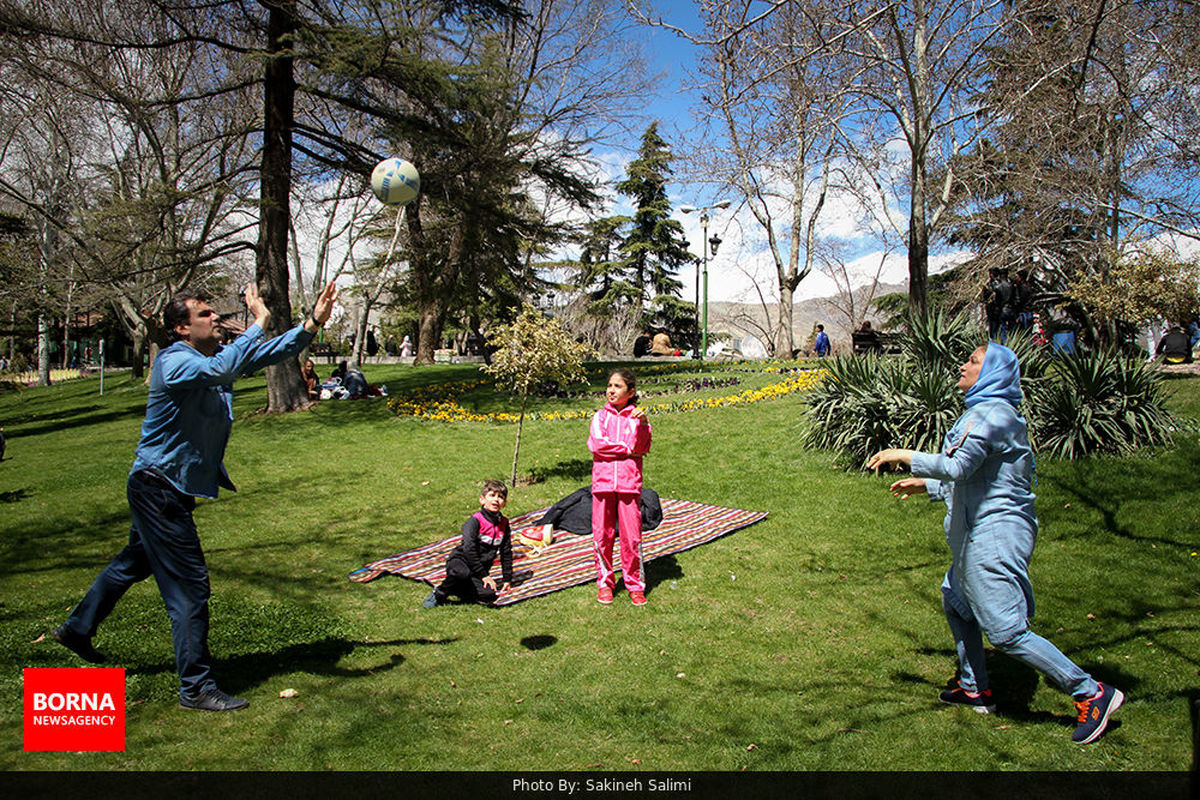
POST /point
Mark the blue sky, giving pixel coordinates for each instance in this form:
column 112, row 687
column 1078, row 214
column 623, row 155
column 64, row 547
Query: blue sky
column 674, row 107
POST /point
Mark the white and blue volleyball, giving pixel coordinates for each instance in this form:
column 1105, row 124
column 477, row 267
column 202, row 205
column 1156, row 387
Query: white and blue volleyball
column 395, row 182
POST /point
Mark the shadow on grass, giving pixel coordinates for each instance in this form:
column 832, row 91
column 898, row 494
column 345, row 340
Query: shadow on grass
column 1193, row 696
column 576, row 469
column 15, row 496
column 1014, row 684
column 62, row 544
column 1095, row 483
column 662, row 569
column 52, row 422
column 320, row 657
column 539, row 642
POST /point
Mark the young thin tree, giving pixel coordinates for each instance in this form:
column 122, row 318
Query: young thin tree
column 531, row 351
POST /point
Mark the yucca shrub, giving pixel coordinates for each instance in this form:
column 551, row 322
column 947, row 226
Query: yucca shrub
column 869, row 402
column 1075, row 404
column 1099, row 402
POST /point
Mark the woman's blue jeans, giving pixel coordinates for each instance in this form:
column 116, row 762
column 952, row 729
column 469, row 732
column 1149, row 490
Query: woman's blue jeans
column 1011, row 637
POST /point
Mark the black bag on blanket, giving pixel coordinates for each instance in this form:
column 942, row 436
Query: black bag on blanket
column 574, row 512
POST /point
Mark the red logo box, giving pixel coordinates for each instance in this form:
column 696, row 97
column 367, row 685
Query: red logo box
column 74, row 709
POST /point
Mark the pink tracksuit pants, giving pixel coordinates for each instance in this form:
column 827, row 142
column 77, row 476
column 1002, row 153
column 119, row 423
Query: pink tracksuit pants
column 609, row 509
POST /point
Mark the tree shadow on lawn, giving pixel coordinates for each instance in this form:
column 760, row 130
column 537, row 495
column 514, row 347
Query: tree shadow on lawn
column 834, row 700
column 77, row 418
column 1088, row 481
column 340, row 413
column 48, row 547
column 1013, row 683
column 1193, row 696
column 249, row 670
column 576, row 469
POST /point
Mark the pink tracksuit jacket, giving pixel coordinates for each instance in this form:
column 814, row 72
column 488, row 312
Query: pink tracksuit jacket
column 617, row 442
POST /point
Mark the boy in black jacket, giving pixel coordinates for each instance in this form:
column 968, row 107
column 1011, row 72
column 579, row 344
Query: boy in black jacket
column 485, row 535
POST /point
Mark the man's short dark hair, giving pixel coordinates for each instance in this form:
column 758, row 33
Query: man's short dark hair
column 492, row 485
column 177, row 311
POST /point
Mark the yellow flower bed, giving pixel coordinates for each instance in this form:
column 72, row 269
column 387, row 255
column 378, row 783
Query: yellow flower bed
column 440, row 402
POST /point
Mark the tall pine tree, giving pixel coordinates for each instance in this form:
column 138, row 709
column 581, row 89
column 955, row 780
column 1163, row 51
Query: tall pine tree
column 655, row 247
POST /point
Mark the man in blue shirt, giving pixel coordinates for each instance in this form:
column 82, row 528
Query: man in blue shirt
column 822, row 345
column 189, row 415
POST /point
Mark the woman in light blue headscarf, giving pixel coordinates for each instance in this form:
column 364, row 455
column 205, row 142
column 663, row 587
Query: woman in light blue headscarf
column 984, row 475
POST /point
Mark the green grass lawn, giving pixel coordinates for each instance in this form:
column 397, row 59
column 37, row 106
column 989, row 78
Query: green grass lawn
column 811, row 641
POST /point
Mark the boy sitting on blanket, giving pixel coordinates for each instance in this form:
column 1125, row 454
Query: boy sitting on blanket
column 485, row 535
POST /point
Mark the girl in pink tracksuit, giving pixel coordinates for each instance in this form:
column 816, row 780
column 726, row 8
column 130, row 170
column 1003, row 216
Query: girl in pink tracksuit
column 618, row 438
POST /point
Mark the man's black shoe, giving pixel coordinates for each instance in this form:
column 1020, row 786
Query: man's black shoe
column 80, row 645
column 213, row 700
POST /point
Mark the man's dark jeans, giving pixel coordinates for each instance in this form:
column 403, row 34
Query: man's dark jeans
column 162, row 542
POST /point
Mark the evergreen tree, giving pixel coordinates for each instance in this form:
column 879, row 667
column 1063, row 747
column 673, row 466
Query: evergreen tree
column 654, row 248
column 601, row 273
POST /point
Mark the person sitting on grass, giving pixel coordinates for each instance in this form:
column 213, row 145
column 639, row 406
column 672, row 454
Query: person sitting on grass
column 485, row 535
column 312, row 381
column 984, row 475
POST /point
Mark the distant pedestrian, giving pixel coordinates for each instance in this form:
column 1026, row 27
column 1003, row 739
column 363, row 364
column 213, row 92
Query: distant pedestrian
column 642, row 344
column 1023, row 300
column 822, row 346
column 1175, row 347
column 998, row 302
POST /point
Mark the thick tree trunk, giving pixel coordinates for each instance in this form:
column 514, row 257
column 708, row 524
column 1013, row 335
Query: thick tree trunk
column 428, row 333
column 918, row 227
column 140, row 342
column 918, row 256
column 360, row 333
column 433, row 302
column 285, row 389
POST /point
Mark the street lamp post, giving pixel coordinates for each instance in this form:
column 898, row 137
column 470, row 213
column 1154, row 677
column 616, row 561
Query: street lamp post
column 705, row 244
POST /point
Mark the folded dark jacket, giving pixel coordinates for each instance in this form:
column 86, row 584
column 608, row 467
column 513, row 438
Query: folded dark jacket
column 574, row 512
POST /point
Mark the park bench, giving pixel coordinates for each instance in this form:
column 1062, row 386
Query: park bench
column 875, row 342
column 325, row 349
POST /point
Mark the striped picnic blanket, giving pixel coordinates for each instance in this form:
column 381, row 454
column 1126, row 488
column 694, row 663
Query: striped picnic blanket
column 569, row 561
